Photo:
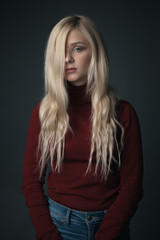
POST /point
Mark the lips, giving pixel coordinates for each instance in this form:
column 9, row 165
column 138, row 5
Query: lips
column 71, row 69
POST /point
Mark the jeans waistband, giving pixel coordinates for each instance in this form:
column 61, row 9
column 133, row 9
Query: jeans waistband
column 64, row 210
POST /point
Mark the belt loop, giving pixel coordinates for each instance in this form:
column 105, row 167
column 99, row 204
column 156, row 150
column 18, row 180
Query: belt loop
column 105, row 211
column 68, row 216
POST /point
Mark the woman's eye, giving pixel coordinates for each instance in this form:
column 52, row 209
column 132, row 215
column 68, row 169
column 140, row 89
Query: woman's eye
column 77, row 49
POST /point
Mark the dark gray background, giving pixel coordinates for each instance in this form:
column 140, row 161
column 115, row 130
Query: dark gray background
column 131, row 31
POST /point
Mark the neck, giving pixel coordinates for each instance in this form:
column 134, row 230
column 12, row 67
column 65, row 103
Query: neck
column 78, row 94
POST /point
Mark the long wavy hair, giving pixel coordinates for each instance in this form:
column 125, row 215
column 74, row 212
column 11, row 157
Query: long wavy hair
column 53, row 113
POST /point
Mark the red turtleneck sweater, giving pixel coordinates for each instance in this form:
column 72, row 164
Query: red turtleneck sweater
column 71, row 187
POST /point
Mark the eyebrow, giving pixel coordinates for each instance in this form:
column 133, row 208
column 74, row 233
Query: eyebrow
column 77, row 43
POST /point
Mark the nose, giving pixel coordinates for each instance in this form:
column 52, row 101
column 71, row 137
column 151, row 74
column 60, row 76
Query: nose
column 69, row 58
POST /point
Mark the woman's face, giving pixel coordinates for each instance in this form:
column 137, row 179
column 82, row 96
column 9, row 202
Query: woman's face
column 77, row 57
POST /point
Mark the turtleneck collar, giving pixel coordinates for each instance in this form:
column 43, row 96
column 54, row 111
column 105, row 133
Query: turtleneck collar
column 77, row 94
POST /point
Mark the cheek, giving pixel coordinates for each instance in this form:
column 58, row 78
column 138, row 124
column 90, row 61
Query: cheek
column 86, row 62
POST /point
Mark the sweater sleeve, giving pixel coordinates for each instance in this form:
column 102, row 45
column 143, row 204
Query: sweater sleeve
column 32, row 186
column 131, row 177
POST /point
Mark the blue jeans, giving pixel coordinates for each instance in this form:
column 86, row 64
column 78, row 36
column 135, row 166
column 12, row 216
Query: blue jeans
column 78, row 225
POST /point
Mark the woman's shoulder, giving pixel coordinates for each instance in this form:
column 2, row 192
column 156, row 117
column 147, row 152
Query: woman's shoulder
column 124, row 105
column 125, row 111
column 35, row 113
column 37, row 106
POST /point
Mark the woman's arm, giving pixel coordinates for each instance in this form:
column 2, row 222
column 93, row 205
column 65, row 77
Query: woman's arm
column 131, row 177
column 32, row 186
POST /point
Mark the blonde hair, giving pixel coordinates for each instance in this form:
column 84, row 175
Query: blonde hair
column 53, row 108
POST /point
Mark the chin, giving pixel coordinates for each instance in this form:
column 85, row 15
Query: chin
column 72, row 80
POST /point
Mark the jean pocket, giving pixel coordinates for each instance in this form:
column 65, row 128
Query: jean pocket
column 57, row 219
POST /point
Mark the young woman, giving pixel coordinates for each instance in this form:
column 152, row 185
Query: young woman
column 90, row 138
